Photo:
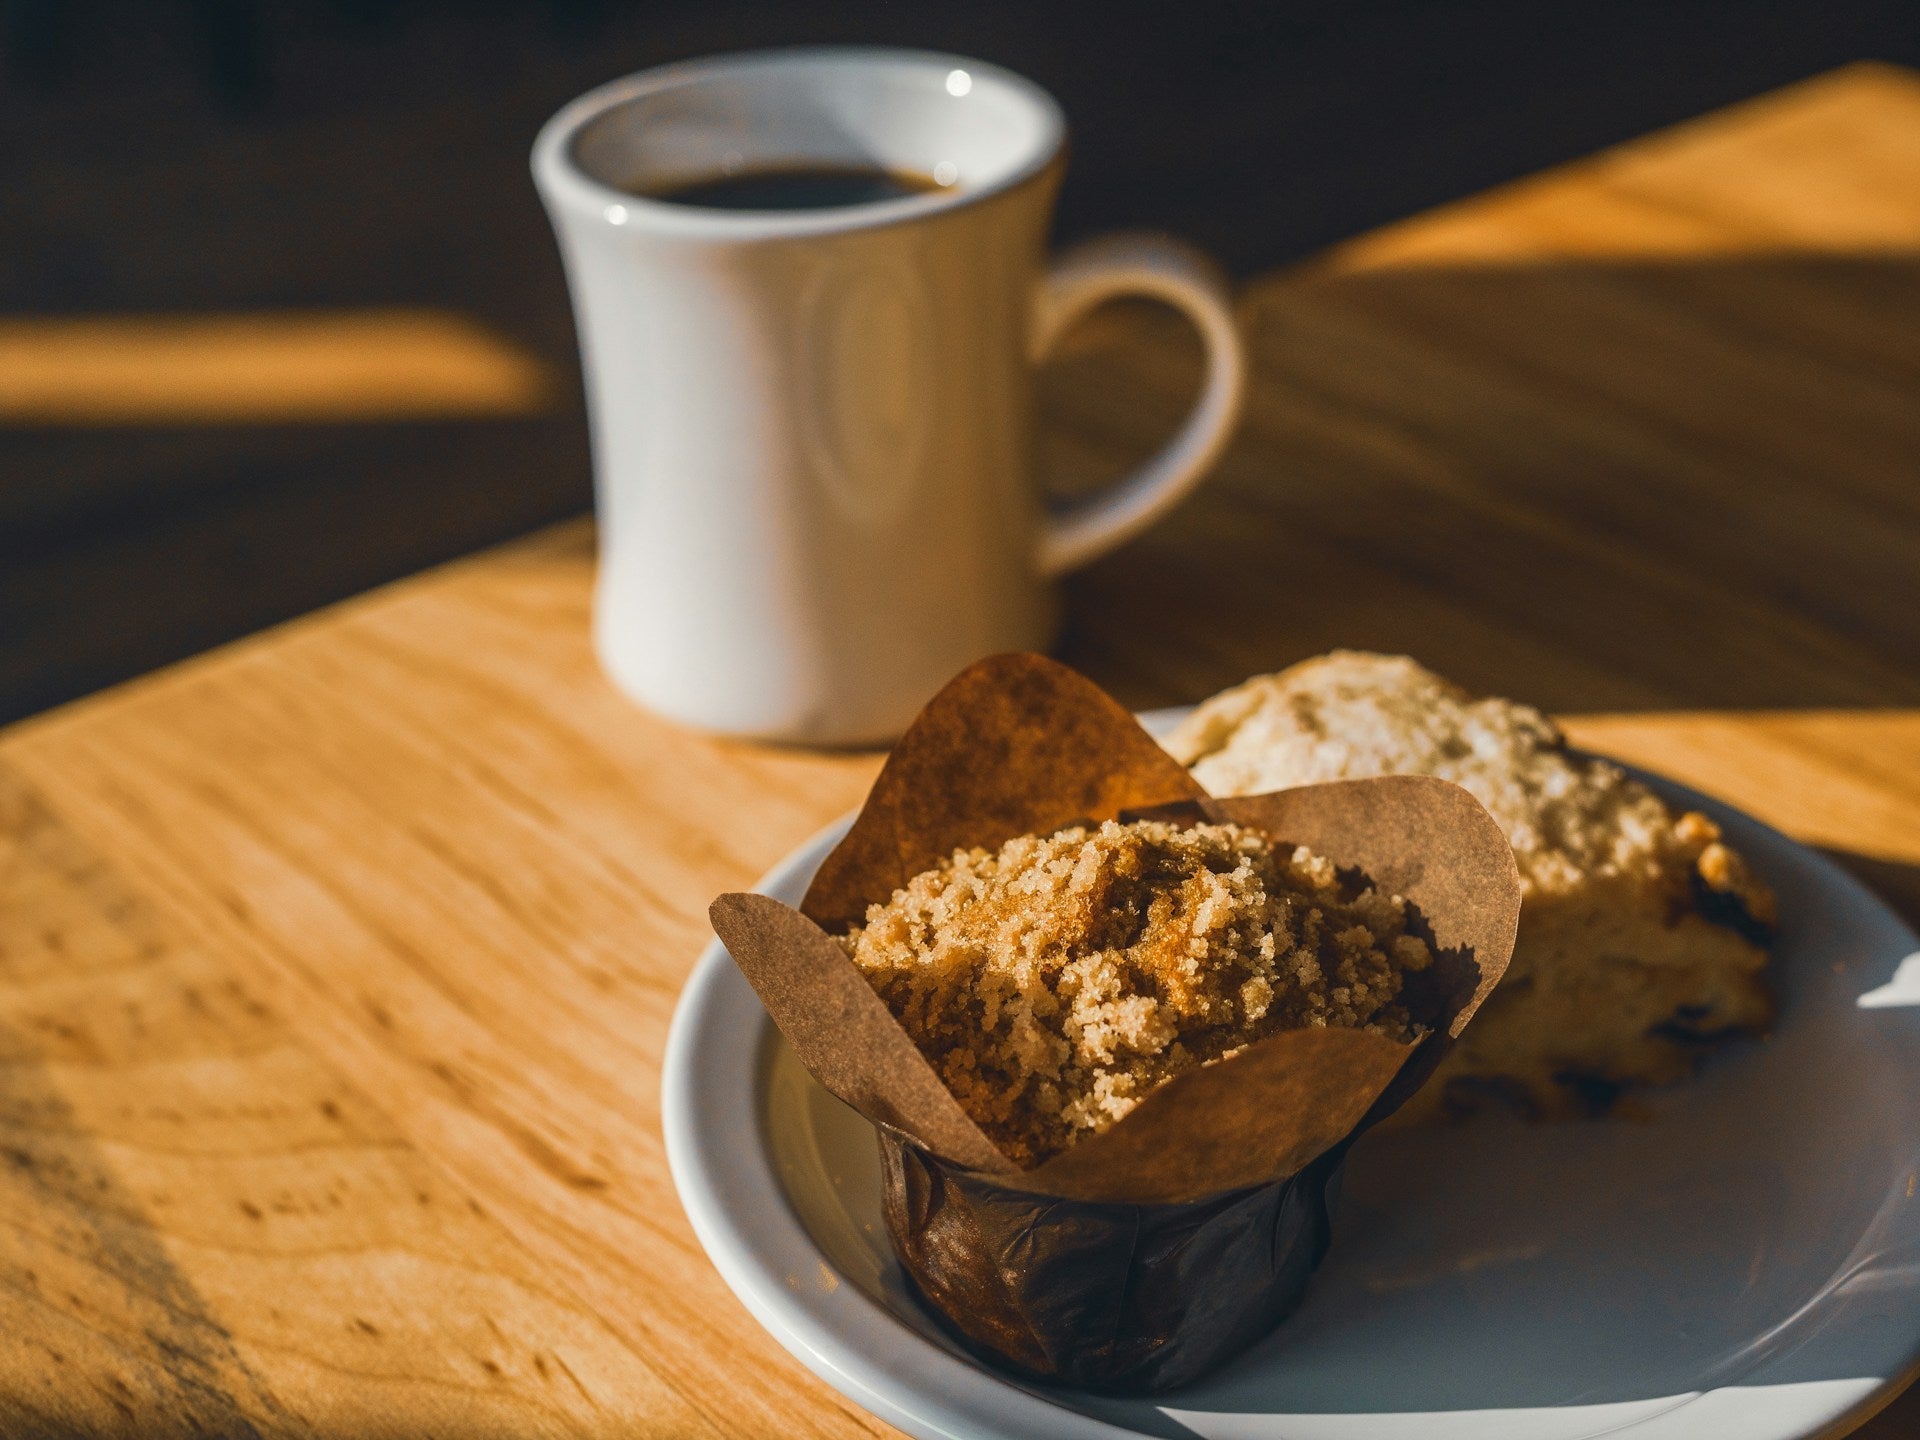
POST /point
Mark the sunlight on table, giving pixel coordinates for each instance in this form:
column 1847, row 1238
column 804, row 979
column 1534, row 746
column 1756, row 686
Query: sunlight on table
column 265, row 368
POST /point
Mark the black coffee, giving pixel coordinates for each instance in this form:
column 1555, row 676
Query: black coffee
column 796, row 188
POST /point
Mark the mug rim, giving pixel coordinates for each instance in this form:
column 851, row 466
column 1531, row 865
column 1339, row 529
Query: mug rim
column 564, row 181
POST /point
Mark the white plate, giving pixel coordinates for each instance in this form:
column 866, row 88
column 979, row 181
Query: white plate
column 1743, row 1262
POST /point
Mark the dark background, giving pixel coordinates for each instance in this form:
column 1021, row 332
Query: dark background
column 159, row 155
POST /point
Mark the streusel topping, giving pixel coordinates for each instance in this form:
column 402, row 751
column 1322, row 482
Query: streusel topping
column 1055, row 983
column 1350, row 715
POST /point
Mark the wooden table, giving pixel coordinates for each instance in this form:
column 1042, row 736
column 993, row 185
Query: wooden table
column 335, row 966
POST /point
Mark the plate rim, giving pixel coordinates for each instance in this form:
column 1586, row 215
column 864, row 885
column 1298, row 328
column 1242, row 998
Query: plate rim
column 810, row 1318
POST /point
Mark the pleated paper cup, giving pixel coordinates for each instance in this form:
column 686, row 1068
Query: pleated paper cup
column 1141, row 1256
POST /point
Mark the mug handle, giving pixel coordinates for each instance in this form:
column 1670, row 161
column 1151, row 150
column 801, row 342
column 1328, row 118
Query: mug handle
column 1158, row 267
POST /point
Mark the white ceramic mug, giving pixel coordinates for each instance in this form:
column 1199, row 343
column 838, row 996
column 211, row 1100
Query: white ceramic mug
column 813, row 428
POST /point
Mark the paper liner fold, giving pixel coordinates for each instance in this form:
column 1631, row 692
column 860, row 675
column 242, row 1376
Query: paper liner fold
column 1021, row 745
column 842, row 1030
column 1014, row 745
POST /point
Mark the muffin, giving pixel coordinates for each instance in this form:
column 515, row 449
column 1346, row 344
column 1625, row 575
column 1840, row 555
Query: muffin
column 1114, row 1038
column 1056, row 982
column 1642, row 934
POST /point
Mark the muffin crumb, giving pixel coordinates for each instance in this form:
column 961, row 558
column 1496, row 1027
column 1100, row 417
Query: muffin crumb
column 1054, row 984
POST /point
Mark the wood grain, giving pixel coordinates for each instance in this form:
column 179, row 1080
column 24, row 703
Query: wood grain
column 335, row 967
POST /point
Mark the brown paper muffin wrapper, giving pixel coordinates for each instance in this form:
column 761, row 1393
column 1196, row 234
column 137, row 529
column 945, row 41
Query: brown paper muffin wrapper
column 1145, row 1254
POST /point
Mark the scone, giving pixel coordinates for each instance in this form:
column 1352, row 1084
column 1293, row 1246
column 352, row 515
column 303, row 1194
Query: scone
column 1642, row 934
column 1057, row 982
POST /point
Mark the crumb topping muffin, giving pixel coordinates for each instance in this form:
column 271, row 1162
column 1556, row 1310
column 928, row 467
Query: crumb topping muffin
column 1642, row 932
column 1055, row 983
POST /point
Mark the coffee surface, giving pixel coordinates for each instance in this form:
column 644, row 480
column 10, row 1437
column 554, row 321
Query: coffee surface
column 811, row 187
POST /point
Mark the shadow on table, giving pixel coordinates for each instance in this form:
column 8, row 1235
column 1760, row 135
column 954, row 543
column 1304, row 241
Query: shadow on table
column 173, row 1365
column 1604, row 485
column 1899, row 1421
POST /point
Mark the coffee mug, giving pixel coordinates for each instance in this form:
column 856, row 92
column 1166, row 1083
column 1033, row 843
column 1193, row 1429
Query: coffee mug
column 813, row 432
